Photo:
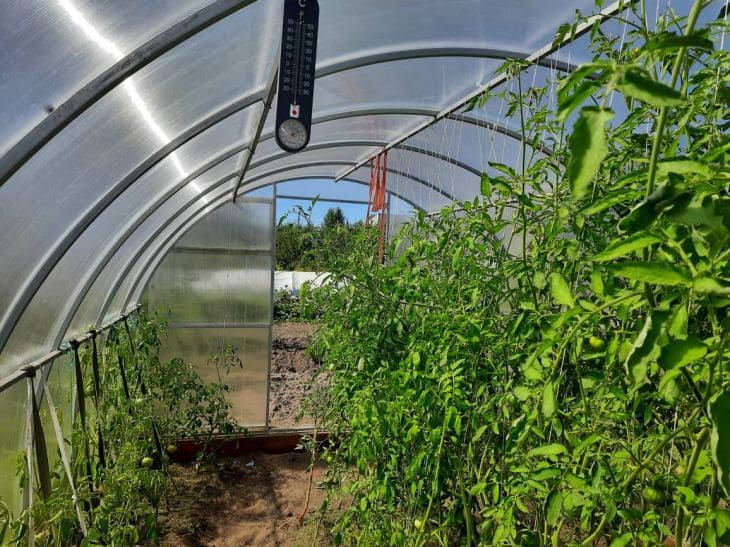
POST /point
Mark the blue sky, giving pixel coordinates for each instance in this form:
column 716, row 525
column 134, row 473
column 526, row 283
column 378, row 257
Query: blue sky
column 325, row 188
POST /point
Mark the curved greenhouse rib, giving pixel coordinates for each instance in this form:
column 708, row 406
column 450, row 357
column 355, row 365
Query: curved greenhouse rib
column 105, row 256
column 85, row 98
column 148, row 269
column 38, row 276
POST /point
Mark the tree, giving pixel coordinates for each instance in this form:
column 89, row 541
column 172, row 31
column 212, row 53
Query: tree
column 333, row 218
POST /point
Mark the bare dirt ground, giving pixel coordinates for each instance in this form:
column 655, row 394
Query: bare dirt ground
column 255, row 499
column 292, row 371
column 230, row 503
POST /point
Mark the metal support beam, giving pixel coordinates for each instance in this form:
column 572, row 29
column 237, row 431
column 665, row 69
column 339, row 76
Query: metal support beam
column 322, row 200
column 536, row 57
column 259, row 125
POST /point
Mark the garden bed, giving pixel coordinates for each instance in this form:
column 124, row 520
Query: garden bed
column 292, row 372
column 253, row 499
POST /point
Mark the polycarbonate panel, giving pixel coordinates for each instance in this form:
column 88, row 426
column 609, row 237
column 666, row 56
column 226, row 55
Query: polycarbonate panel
column 145, row 242
column 61, row 384
column 250, row 383
column 136, row 272
column 473, row 146
column 518, row 25
column 212, row 286
column 40, row 328
column 12, row 442
column 266, row 192
column 246, row 226
column 345, row 154
column 323, row 188
column 89, row 310
column 411, row 191
column 48, row 50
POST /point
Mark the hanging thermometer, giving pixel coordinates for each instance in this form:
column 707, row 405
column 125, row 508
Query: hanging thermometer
column 296, row 74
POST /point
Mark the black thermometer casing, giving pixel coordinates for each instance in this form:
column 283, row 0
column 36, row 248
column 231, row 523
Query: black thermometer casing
column 296, row 69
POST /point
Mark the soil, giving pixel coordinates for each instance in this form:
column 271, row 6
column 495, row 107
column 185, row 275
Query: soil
column 256, row 498
column 292, row 373
column 252, row 500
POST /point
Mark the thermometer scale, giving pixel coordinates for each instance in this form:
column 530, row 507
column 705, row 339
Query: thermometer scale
column 296, row 74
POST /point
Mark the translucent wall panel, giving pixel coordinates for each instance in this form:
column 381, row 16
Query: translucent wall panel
column 518, row 25
column 55, row 39
column 342, row 155
column 214, row 286
column 84, row 165
column 46, row 320
column 323, row 188
column 136, row 272
column 248, row 222
column 250, row 383
column 12, row 441
column 146, row 239
column 60, row 382
column 150, row 215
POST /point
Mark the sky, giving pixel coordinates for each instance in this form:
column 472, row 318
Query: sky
column 325, row 188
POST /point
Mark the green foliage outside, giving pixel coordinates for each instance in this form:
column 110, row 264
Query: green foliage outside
column 576, row 391
column 306, row 247
column 139, row 416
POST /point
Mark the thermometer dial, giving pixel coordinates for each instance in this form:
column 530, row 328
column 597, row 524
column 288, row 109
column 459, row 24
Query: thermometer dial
column 292, row 135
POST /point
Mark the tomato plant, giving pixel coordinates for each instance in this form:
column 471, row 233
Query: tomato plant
column 547, row 364
column 136, row 408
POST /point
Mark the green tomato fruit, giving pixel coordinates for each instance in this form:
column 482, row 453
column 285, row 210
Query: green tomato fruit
column 652, row 495
column 147, row 462
column 329, row 458
column 596, row 343
column 418, row 523
column 171, row 449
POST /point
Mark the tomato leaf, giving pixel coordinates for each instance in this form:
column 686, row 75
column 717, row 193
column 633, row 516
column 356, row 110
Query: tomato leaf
column 587, row 148
column 560, row 290
column 654, row 273
column 625, row 246
column 646, row 347
column 680, row 353
column 637, row 83
column 554, row 449
column 554, row 507
column 671, row 41
column 719, row 410
column 709, row 285
column 549, row 402
column 486, row 187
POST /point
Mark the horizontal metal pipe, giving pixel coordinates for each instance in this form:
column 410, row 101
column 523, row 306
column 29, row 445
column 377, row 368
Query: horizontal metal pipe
column 33, row 368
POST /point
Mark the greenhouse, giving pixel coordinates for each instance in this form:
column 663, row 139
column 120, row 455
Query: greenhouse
column 395, row 272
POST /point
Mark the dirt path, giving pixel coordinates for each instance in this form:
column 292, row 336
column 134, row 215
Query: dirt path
column 233, row 503
column 292, row 371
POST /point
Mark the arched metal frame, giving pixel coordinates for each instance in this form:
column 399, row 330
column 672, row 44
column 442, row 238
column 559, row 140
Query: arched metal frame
column 166, row 40
column 106, row 255
column 43, row 270
column 132, row 261
column 158, row 254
